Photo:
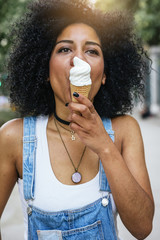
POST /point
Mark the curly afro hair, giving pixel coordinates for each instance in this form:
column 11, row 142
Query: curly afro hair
column 35, row 37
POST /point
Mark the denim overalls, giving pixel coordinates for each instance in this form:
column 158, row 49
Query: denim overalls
column 92, row 222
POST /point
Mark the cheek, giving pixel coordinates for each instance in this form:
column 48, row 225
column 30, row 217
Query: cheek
column 97, row 74
column 97, row 69
column 59, row 78
column 58, row 72
column 54, row 68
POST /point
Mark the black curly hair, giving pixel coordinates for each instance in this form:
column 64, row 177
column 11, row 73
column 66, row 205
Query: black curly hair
column 35, row 37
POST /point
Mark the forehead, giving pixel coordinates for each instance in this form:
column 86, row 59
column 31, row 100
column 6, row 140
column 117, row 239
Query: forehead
column 79, row 32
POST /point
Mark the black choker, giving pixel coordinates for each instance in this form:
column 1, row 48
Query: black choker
column 61, row 120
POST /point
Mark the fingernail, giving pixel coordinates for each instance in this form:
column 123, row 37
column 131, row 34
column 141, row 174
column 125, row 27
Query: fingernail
column 75, row 94
column 67, row 104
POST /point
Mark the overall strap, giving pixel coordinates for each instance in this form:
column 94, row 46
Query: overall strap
column 29, row 152
column 104, row 185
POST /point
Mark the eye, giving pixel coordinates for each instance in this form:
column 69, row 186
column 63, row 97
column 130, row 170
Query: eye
column 64, row 50
column 93, row 52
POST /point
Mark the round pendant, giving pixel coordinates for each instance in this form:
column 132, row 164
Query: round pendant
column 76, row 177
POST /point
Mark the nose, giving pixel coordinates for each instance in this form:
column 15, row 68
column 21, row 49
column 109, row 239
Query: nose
column 79, row 54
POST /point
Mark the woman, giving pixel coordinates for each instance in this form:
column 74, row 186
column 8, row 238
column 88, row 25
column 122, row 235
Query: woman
column 92, row 136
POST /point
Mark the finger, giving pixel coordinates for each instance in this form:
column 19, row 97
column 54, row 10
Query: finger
column 84, row 100
column 78, row 129
column 80, row 108
column 80, row 121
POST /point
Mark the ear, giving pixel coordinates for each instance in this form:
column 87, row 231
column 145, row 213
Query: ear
column 104, row 79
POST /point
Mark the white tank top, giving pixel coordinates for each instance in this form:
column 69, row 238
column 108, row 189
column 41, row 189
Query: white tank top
column 50, row 194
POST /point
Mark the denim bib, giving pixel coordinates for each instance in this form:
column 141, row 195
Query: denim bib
column 92, row 222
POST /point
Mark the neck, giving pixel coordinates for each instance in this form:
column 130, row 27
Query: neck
column 62, row 111
column 61, row 120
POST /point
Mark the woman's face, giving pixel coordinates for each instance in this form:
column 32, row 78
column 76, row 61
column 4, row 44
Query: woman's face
column 82, row 41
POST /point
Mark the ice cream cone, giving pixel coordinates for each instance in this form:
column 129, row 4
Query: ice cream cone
column 84, row 90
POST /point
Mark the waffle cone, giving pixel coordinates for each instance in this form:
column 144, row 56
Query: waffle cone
column 84, row 90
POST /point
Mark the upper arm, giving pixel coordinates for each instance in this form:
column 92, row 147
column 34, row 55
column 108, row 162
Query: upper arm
column 9, row 152
column 133, row 154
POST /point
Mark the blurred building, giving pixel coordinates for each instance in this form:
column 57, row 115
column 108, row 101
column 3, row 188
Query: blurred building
column 4, row 103
column 155, row 80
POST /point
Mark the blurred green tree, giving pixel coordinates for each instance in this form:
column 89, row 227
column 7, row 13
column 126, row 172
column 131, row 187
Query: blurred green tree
column 111, row 5
column 147, row 16
column 148, row 21
column 10, row 11
column 3, row 89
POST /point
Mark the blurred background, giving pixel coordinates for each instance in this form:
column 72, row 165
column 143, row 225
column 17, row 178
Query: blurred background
column 147, row 18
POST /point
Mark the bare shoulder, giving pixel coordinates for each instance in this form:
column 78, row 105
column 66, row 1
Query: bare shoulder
column 127, row 132
column 11, row 134
column 10, row 158
column 12, row 129
column 125, row 125
column 125, row 119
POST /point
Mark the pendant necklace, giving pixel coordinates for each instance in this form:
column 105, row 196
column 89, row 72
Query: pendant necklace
column 76, row 176
column 71, row 131
column 66, row 123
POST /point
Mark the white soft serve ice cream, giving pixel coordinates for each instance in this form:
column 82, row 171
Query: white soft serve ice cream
column 80, row 73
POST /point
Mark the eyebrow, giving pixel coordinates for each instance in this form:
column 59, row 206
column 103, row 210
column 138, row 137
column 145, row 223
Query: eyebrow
column 87, row 43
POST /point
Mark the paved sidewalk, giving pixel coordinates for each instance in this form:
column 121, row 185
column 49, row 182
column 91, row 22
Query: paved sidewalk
column 12, row 219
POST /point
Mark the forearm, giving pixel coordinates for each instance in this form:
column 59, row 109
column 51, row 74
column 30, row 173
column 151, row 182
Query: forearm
column 135, row 207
